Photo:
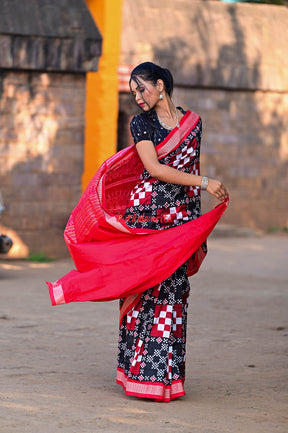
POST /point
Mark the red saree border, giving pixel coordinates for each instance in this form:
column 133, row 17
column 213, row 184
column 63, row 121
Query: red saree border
column 56, row 293
column 176, row 136
column 152, row 390
column 188, row 112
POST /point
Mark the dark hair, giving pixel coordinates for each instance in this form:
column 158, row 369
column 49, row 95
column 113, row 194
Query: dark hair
column 151, row 72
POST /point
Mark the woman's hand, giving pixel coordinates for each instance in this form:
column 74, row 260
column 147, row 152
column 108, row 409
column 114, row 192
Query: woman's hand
column 147, row 153
column 217, row 189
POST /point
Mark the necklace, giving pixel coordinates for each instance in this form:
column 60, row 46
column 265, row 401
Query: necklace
column 168, row 126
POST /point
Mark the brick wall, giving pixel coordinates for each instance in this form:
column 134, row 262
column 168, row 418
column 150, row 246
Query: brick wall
column 230, row 64
column 41, row 154
column 245, row 143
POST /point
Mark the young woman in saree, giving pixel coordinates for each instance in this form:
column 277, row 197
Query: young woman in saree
column 137, row 234
column 151, row 357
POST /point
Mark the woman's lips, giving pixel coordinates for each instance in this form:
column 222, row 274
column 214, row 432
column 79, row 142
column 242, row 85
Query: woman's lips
column 141, row 104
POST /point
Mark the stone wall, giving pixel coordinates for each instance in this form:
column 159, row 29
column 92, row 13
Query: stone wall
column 41, row 155
column 245, row 145
column 43, row 66
column 230, row 64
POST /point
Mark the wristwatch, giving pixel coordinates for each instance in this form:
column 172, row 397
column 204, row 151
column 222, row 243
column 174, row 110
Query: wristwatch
column 204, row 183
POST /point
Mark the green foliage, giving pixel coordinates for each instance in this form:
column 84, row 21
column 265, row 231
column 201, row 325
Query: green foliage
column 274, row 229
column 39, row 257
column 271, row 2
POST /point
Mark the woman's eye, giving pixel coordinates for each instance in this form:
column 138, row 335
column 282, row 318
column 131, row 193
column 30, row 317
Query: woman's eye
column 142, row 89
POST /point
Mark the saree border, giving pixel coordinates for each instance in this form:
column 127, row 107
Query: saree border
column 176, row 136
column 56, row 293
column 153, row 390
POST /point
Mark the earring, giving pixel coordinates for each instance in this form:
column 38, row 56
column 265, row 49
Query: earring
column 160, row 96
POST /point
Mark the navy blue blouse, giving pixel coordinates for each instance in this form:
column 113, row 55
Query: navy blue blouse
column 146, row 126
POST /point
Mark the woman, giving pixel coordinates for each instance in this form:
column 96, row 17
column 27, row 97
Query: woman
column 137, row 234
column 151, row 355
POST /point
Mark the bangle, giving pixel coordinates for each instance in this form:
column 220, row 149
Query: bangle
column 204, row 183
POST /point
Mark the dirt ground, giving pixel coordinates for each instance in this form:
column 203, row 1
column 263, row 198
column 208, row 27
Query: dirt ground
column 58, row 364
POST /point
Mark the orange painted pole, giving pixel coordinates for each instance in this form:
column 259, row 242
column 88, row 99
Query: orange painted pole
column 102, row 89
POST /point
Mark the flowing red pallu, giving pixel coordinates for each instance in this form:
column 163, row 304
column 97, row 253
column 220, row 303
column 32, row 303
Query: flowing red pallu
column 116, row 261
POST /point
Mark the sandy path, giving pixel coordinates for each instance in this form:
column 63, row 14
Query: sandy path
column 57, row 364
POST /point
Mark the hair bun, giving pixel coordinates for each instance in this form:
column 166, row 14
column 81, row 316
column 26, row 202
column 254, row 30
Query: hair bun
column 169, row 82
column 151, row 72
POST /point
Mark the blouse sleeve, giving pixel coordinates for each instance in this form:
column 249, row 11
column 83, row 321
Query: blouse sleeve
column 139, row 129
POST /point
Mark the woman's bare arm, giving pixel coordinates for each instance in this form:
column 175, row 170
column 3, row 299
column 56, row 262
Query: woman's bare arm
column 165, row 173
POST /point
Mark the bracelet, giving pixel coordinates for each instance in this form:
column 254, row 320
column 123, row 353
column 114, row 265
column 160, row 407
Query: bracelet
column 204, row 183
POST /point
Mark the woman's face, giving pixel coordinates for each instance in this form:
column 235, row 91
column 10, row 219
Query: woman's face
column 146, row 94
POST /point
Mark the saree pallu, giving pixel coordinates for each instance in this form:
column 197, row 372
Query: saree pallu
column 114, row 260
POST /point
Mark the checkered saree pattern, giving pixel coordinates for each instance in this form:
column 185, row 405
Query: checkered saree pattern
column 151, row 351
column 152, row 337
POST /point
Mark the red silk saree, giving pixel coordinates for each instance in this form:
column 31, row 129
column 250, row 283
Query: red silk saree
column 114, row 260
